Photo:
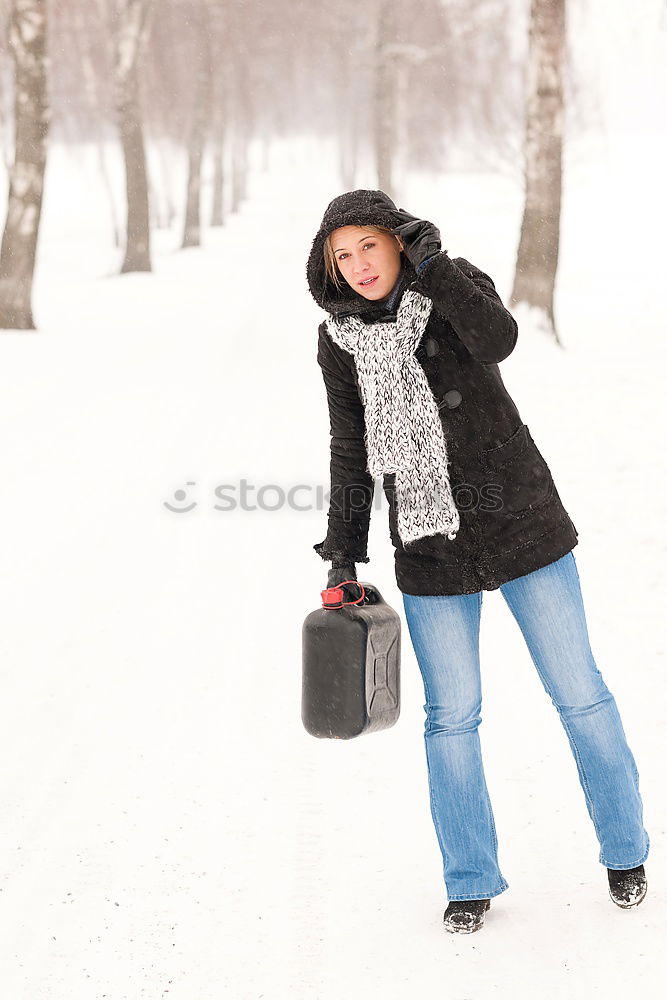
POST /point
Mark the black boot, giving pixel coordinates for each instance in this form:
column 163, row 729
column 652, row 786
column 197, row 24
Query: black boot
column 463, row 916
column 627, row 886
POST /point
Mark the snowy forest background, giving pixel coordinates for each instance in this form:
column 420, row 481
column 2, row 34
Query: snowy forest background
column 167, row 826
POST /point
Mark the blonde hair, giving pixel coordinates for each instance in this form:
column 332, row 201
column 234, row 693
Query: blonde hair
column 330, row 262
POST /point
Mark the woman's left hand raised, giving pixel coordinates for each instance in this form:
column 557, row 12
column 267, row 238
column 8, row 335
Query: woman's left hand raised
column 420, row 238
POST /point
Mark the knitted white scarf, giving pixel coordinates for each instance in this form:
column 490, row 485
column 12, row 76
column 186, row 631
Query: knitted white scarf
column 404, row 431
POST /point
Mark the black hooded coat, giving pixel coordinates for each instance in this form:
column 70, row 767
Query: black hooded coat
column 512, row 520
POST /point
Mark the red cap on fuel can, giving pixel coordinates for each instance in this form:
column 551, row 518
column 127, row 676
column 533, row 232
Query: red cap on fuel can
column 332, row 597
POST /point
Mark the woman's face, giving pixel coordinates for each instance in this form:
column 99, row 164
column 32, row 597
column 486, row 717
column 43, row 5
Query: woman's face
column 364, row 256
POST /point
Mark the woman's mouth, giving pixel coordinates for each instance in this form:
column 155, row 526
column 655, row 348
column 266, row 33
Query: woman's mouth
column 367, row 282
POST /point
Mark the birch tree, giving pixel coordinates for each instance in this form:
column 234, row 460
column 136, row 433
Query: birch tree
column 537, row 256
column 27, row 40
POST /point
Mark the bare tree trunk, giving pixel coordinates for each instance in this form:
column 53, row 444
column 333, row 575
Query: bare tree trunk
column 27, row 39
column 235, row 182
column 132, row 29
column 537, row 256
column 219, row 131
column 240, row 132
column 217, row 207
column 239, row 184
column 192, row 226
column 385, row 96
column 219, row 115
column 200, row 126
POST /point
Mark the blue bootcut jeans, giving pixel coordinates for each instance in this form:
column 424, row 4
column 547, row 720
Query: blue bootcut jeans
column 548, row 606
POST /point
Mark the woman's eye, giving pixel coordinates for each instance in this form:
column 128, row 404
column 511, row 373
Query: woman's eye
column 344, row 255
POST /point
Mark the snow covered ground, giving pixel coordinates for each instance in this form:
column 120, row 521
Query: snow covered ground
column 167, row 827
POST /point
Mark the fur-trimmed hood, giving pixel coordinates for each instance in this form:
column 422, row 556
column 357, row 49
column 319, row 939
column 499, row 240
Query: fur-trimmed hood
column 354, row 208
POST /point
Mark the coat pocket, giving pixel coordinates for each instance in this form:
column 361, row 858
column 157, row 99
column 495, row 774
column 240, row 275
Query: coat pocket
column 519, row 472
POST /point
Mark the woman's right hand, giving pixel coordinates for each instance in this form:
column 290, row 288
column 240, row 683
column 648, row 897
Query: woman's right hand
column 336, row 576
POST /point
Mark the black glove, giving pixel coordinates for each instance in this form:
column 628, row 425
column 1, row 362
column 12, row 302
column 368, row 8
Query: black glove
column 420, row 238
column 339, row 573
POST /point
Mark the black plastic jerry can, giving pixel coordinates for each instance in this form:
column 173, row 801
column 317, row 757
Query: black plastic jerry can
column 351, row 665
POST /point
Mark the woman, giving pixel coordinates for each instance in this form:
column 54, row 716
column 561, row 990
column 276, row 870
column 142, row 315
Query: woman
column 409, row 353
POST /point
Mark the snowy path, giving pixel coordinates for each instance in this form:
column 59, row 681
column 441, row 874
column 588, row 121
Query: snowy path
column 168, row 829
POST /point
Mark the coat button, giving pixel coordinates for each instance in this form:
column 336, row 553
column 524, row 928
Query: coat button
column 452, row 398
column 432, row 346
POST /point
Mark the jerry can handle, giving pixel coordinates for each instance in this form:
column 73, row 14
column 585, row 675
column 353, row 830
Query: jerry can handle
column 332, row 597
